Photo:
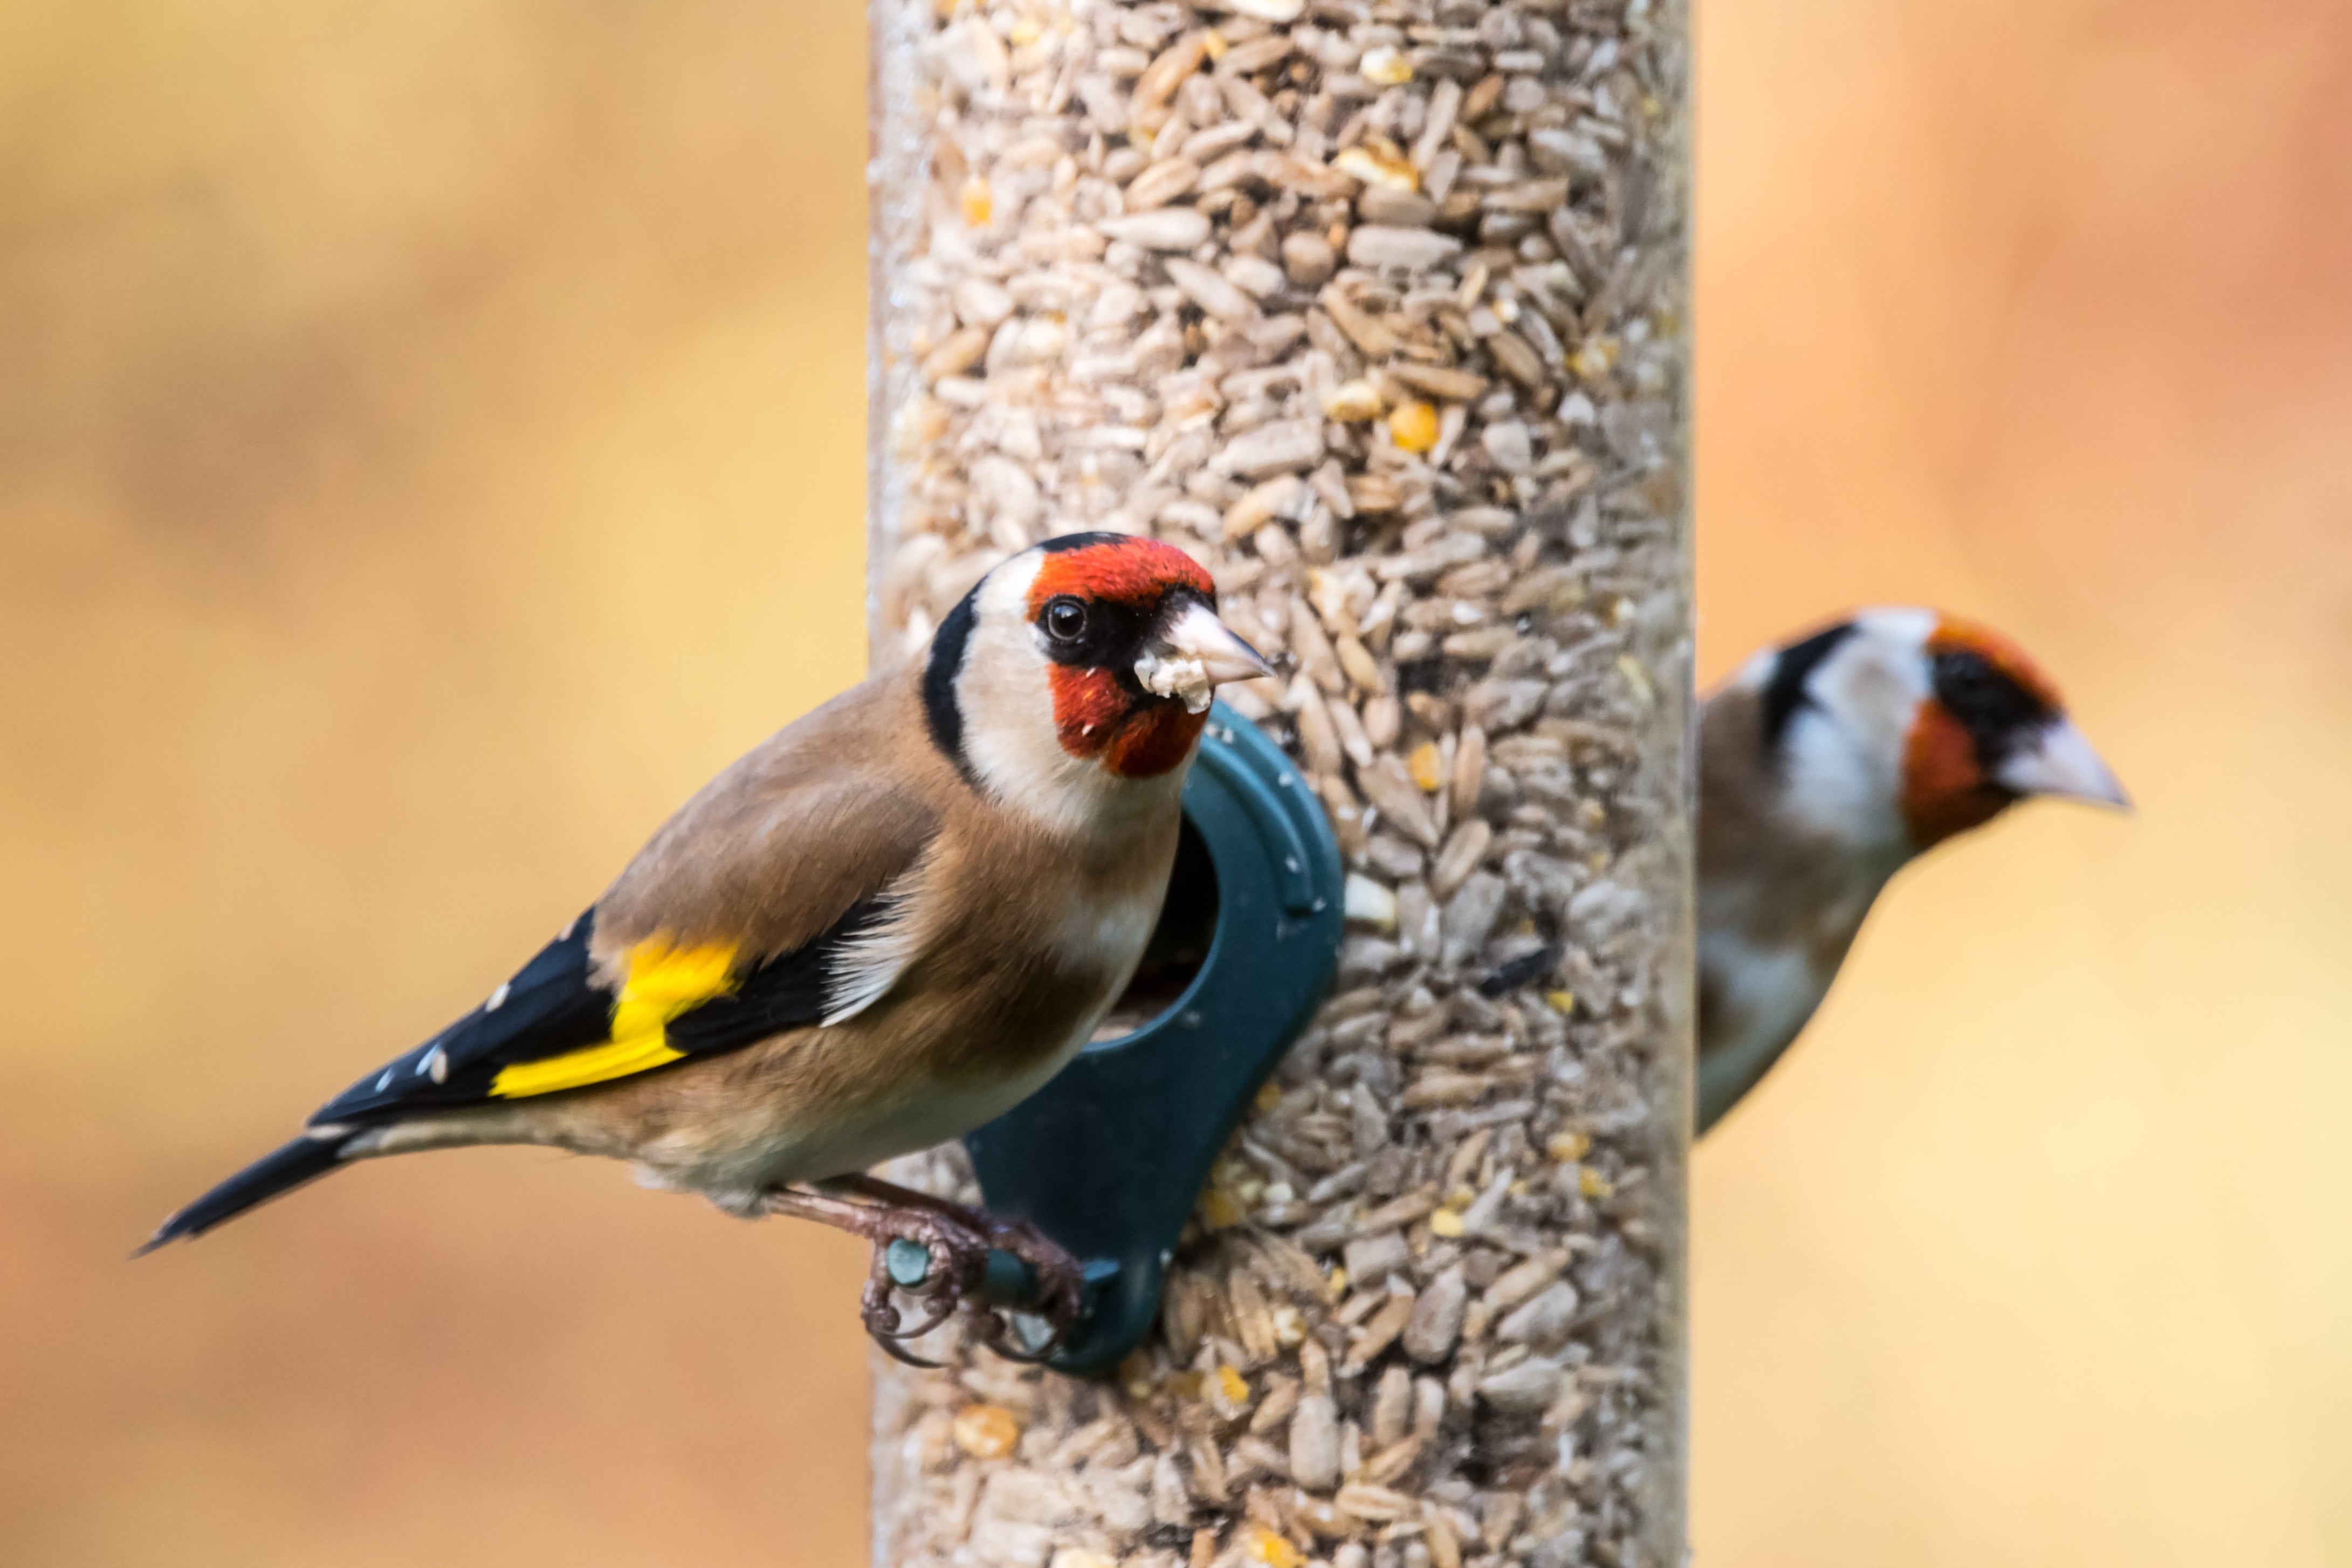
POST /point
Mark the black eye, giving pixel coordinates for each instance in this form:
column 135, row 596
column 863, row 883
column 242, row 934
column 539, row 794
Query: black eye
column 1966, row 677
column 1990, row 704
column 1065, row 620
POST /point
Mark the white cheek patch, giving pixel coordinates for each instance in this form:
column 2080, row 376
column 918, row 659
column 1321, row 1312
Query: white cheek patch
column 1006, row 695
column 1844, row 747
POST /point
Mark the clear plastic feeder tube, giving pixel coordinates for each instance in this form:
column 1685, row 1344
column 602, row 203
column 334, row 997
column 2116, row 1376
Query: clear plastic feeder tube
column 1380, row 309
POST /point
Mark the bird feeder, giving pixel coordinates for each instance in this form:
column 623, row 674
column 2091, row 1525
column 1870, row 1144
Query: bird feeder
column 1376, row 307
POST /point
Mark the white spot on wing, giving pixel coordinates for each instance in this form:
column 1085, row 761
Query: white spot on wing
column 383, row 1080
column 499, row 997
column 865, row 966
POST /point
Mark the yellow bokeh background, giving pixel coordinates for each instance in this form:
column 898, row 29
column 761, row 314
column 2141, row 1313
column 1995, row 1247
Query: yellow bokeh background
column 431, row 442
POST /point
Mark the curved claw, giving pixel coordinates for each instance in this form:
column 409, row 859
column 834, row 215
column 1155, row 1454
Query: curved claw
column 882, row 1318
column 889, row 1346
column 958, row 1257
column 882, row 1327
column 952, row 1244
column 944, row 1311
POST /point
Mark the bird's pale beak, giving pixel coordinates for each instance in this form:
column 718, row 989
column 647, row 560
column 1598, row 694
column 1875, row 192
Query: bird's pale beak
column 1198, row 634
column 2058, row 761
column 1195, row 652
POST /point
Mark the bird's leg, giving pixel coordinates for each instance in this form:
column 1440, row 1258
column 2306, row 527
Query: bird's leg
column 956, row 1254
column 1060, row 1280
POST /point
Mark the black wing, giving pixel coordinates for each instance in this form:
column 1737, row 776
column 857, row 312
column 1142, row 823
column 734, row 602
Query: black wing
column 556, row 1006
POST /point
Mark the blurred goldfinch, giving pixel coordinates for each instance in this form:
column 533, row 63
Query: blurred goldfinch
column 886, row 925
column 1825, row 766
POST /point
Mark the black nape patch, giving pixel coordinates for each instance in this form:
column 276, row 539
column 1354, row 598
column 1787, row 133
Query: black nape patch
column 1785, row 692
column 948, row 647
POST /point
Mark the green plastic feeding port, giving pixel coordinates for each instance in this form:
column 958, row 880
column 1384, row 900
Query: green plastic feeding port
column 1108, row 1157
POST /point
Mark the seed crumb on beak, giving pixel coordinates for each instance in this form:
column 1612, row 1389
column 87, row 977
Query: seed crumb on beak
column 1195, row 655
column 1176, row 674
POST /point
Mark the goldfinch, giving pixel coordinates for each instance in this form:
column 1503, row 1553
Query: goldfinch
column 886, row 925
column 1826, row 765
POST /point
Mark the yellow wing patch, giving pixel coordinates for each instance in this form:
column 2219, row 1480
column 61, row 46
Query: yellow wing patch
column 664, row 980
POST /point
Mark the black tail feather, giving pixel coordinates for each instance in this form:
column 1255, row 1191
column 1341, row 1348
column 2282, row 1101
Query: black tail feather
column 303, row 1160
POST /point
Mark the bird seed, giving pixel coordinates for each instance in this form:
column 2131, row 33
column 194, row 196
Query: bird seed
column 1376, row 308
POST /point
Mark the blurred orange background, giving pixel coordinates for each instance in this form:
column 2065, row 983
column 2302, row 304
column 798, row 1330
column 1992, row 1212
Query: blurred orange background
column 430, row 443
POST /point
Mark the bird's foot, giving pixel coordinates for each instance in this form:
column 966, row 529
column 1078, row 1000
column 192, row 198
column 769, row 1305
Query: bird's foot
column 1051, row 1299
column 932, row 1257
column 936, row 1253
column 929, row 1257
